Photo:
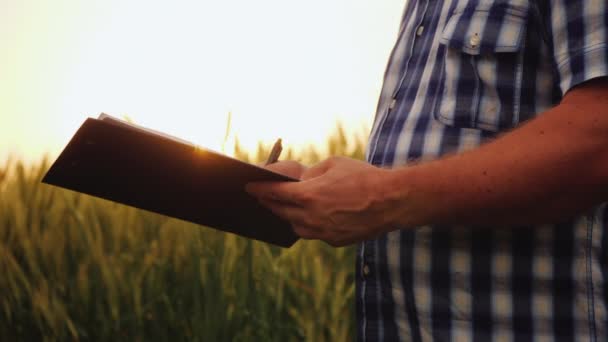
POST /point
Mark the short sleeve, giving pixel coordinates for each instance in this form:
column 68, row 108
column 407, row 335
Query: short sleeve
column 578, row 30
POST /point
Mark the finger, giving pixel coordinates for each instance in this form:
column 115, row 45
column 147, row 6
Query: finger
column 297, row 216
column 288, row 168
column 284, row 192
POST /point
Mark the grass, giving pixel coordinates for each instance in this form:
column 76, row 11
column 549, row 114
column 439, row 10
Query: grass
column 74, row 267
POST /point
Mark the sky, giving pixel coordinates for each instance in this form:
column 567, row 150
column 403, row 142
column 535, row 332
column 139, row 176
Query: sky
column 282, row 68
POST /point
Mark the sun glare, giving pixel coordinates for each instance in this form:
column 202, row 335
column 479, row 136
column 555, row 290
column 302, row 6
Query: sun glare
column 282, row 68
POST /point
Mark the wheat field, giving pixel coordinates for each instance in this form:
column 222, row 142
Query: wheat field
column 74, row 267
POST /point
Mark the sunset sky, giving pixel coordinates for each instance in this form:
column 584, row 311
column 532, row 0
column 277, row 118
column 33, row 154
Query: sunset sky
column 283, row 68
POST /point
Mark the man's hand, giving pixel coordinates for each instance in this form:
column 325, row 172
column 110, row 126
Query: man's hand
column 339, row 200
column 549, row 169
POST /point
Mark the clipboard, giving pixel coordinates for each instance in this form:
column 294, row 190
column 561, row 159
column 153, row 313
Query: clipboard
column 115, row 160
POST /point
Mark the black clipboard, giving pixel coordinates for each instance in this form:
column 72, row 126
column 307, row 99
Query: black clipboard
column 124, row 163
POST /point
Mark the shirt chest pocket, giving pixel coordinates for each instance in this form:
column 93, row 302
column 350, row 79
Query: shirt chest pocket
column 483, row 67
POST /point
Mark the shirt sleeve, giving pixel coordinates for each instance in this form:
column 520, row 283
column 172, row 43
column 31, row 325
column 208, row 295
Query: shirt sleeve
column 578, row 30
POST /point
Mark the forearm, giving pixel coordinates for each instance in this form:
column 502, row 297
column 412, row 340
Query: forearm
column 549, row 169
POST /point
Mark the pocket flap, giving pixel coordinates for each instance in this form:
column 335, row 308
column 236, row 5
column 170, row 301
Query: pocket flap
column 475, row 31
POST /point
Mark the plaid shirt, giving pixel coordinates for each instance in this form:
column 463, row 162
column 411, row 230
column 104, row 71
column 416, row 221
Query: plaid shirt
column 461, row 72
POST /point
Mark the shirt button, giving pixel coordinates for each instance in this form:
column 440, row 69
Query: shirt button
column 420, row 30
column 474, row 40
column 365, row 270
column 392, row 104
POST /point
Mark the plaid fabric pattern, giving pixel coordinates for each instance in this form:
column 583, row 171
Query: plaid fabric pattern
column 461, row 72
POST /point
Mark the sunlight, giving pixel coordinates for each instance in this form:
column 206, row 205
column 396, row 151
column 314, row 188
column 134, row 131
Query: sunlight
column 284, row 69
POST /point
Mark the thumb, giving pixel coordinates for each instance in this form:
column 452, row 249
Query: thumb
column 288, row 168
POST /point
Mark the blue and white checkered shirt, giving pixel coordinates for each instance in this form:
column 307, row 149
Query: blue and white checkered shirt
column 461, row 72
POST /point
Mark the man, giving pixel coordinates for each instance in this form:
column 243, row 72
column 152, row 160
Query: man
column 480, row 214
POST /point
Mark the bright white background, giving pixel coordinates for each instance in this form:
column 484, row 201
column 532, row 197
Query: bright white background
column 283, row 68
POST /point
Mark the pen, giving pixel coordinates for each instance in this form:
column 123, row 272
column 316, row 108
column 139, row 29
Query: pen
column 275, row 152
